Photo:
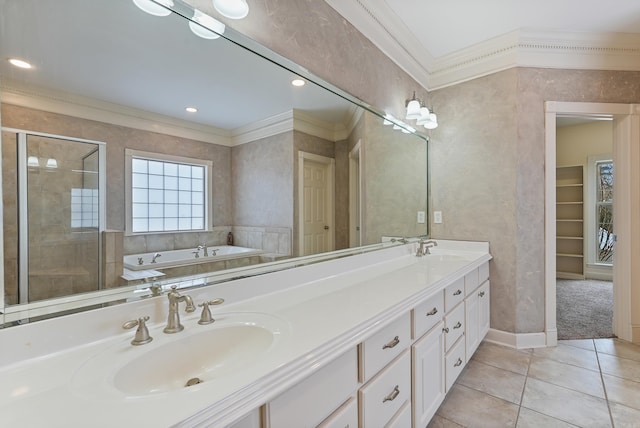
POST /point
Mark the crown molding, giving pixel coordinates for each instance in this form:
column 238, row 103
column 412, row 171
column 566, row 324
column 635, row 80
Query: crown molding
column 520, row 48
column 115, row 114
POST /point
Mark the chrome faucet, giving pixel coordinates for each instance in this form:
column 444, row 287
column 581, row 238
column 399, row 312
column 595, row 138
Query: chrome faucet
column 423, row 249
column 173, row 322
column 155, row 256
column 204, row 247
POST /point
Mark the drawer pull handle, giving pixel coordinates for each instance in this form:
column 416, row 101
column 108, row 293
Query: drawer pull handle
column 445, row 330
column 458, row 363
column 392, row 396
column 457, row 293
column 432, row 312
column 458, row 325
column 393, row 343
column 481, row 294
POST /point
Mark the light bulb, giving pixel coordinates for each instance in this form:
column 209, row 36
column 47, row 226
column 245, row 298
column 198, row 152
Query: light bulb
column 413, row 109
column 153, row 8
column 205, row 26
column 233, row 9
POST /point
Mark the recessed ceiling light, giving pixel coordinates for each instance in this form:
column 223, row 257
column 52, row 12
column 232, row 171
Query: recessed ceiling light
column 297, row 82
column 20, row 63
column 191, row 109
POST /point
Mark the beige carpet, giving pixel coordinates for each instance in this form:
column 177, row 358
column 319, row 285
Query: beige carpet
column 584, row 309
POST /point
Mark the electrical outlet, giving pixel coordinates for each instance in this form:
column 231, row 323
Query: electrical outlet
column 420, row 216
column 437, row 217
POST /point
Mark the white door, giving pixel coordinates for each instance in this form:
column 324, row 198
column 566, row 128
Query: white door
column 355, row 184
column 316, row 218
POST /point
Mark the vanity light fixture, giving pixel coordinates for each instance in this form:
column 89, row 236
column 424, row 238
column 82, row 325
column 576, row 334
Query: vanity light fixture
column 233, row 9
column 52, row 163
column 191, row 109
column 155, row 7
column 298, row 82
column 423, row 117
column 203, row 25
column 20, row 63
column 33, row 161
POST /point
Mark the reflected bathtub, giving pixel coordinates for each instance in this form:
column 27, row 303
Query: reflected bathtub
column 179, row 258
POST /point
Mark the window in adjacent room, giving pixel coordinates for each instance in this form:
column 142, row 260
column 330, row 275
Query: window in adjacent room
column 166, row 193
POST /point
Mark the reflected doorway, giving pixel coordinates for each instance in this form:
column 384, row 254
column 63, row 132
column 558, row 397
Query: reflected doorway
column 355, row 192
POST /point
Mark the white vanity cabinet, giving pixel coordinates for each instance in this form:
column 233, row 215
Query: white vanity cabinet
column 477, row 306
column 428, row 389
column 317, row 397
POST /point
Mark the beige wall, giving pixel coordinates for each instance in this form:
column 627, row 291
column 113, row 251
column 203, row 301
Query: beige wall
column 574, row 144
column 487, row 171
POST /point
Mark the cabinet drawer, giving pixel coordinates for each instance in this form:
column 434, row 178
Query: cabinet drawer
column 427, row 314
column 402, row 419
column 345, row 417
column 454, row 323
column 483, row 272
column 385, row 394
column 453, row 294
column 315, row 398
column 384, row 346
column 454, row 363
column 471, row 282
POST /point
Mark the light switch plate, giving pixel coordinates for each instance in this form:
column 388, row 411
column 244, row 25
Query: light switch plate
column 420, row 216
column 437, row 217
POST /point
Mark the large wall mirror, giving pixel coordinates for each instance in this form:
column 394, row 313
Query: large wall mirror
column 140, row 149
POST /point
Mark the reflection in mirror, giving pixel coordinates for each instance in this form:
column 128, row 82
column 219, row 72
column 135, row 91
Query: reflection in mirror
column 177, row 155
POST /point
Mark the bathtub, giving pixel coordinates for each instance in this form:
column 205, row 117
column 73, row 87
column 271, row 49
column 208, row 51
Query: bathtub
column 186, row 257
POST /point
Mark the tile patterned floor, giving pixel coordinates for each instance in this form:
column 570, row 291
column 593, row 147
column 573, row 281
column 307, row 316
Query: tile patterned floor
column 579, row 383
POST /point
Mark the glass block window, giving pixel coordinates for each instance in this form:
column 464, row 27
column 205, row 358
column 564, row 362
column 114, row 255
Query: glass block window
column 604, row 212
column 167, row 195
column 84, row 208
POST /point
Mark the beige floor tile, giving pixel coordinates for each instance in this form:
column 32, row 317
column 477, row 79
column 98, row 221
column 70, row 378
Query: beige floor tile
column 625, row 417
column 619, row 348
column 440, row 422
column 471, row 408
column 492, row 380
column 623, row 391
column 530, row 419
column 565, row 404
column 502, row 357
column 566, row 375
column 580, row 343
column 570, row 355
column 621, row 367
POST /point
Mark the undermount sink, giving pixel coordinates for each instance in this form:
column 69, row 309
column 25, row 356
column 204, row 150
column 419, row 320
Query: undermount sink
column 443, row 257
column 198, row 355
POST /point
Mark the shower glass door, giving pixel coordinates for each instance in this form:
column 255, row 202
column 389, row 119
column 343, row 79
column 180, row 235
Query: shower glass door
column 60, row 188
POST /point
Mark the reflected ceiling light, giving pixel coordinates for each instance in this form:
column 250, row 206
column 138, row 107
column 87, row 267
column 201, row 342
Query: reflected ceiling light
column 154, row 7
column 191, row 109
column 203, row 25
column 33, row 161
column 20, row 63
column 298, row 82
column 233, row 9
column 52, row 163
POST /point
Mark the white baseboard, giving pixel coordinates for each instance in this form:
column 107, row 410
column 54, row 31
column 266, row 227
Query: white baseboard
column 517, row 340
column 635, row 333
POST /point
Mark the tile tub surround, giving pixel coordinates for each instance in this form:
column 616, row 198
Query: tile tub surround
column 37, row 373
column 565, row 386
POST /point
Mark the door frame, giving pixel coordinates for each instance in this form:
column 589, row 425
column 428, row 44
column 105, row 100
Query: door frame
column 355, row 188
column 626, row 154
column 330, row 164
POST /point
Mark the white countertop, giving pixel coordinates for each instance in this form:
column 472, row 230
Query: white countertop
column 325, row 309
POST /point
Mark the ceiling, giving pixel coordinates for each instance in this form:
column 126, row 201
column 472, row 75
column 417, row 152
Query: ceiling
column 131, row 61
column 444, row 42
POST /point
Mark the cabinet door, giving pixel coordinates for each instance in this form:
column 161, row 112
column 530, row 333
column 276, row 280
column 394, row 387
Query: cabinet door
column 471, row 314
column 484, row 310
column 428, row 372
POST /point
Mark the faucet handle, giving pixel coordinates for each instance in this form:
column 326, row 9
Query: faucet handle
column 206, row 318
column 142, row 332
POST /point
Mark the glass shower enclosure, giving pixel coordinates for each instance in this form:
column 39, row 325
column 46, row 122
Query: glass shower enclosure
column 52, row 230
